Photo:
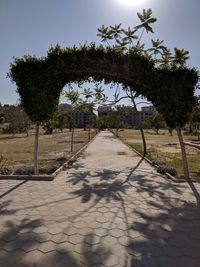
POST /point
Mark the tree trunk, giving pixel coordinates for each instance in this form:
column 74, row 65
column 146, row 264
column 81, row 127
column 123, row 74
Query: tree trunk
column 141, row 129
column 117, row 130
column 183, row 152
column 36, row 149
column 72, row 139
column 89, row 133
column 143, row 141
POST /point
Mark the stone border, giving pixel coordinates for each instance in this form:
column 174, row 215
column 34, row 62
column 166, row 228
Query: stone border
column 52, row 176
column 169, row 176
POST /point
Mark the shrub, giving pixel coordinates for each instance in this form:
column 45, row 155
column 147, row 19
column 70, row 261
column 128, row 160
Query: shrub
column 163, row 169
column 6, row 170
column 24, row 170
column 158, row 162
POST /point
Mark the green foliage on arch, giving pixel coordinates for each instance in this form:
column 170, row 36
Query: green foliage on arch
column 40, row 80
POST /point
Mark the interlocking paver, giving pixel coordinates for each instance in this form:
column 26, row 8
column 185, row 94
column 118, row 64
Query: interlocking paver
column 47, row 246
column 70, row 222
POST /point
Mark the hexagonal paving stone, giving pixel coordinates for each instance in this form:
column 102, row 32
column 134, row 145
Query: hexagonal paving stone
column 103, row 209
column 59, row 238
column 65, row 247
column 80, row 224
column 13, row 245
column 47, row 246
column 117, row 233
column 102, row 219
column 109, row 215
column 92, row 239
column 55, row 230
column 75, row 239
column 70, row 231
column 122, row 226
column 134, row 234
column 30, row 245
column 94, row 225
column 31, row 259
column 109, row 260
column 42, row 237
column 91, row 259
column 123, row 240
column 101, row 232
column 82, row 248
column 40, row 230
column 10, row 237
column 109, row 241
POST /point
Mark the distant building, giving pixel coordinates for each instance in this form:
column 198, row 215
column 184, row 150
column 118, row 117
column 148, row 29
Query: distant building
column 130, row 117
column 82, row 118
column 104, row 110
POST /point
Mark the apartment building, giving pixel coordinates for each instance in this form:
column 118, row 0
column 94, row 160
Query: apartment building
column 129, row 116
column 82, row 118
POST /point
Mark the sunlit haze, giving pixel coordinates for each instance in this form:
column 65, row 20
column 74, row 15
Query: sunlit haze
column 132, row 2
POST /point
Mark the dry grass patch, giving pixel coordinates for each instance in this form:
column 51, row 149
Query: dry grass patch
column 165, row 147
column 18, row 149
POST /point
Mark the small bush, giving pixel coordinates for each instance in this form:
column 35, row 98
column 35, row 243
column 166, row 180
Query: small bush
column 158, row 162
column 61, row 159
column 24, row 170
column 6, row 170
column 50, row 168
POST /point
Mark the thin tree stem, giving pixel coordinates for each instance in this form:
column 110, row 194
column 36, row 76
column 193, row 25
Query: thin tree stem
column 36, row 149
column 183, row 152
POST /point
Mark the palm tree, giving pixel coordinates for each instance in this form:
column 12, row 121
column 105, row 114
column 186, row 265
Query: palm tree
column 180, row 57
column 165, row 58
column 104, row 34
column 129, row 35
column 157, row 47
column 115, row 31
column 146, row 20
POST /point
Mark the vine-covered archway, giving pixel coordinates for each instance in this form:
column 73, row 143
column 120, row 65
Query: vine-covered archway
column 40, row 80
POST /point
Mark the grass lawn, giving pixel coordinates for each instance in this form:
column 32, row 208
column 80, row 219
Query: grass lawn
column 164, row 147
column 18, row 149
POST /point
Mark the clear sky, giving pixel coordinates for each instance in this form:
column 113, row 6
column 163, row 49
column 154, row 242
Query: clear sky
column 32, row 26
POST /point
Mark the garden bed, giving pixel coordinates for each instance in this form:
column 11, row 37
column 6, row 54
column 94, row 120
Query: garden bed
column 48, row 168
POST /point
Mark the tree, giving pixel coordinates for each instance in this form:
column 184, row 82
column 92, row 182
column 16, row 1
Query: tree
column 115, row 118
column 33, row 85
column 123, row 40
column 18, row 120
column 58, row 121
column 180, row 57
column 62, row 122
column 2, row 119
column 73, row 97
column 102, row 122
column 91, row 99
column 157, row 122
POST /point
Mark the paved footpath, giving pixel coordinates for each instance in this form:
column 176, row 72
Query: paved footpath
column 91, row 216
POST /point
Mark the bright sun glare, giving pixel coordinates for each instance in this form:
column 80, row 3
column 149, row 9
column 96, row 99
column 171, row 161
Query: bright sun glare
column 132, row 2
